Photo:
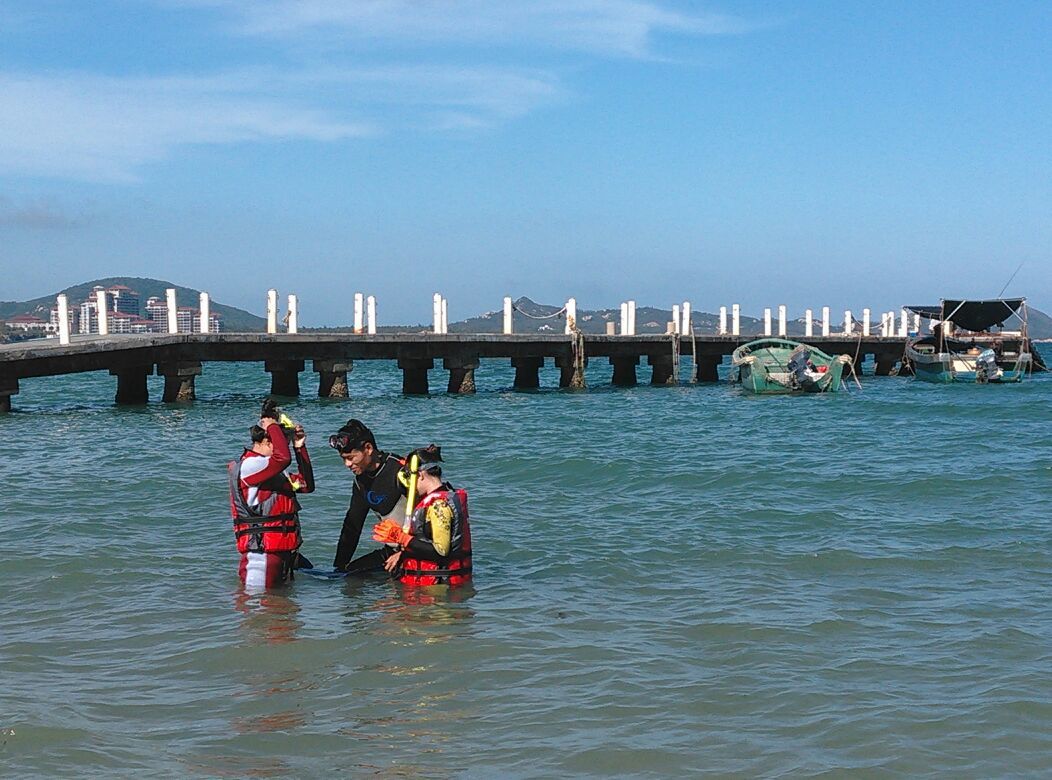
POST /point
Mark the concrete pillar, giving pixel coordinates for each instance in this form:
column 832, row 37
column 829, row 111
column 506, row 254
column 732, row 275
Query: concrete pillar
column 708, row 368
column 662, row 372
column 676, row 323
column 736, row 320
column 103, row 314
column 358, row 299
column 414, row 375
column 63, row 319
column 436, row 313
column 461, row 374
column 885, row 363
column 809, row 323
column 272, row 311
column 294, row 314
column 284, row 376
column 8, row 388
column 527, row 372
column 825, row 320
column 179, row 380
column 570, row 374
column 686, row 325
column 865, row 322
column 370, row 315
column 723, row 321
column 173, row 310
column 631, row 318
column 611, row 329
column 624, row 370
column 445, row 316
column 916, row 323
column 131, row 384
column 332, row 377
column 783, row 326
column 849, row 322
column 624, row 318
column 904, row 324
column 571, row 316
column 205, row 309
column 767, row 322
column 508, row 327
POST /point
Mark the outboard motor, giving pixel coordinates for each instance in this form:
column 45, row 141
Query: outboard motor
column 798, row 365
column 986, row 368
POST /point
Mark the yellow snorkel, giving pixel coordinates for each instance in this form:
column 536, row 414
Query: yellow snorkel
column 410, row 500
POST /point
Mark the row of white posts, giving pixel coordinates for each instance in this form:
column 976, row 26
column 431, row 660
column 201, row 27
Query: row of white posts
column 103, row 314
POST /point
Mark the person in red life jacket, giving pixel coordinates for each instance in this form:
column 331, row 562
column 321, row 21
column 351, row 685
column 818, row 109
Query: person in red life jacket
column 376, row 489
column 436, row 547
column 263, row 501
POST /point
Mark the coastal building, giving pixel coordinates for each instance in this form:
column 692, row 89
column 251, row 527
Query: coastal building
column 29, row 323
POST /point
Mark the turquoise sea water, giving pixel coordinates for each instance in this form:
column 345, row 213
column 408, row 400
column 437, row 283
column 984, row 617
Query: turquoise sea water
column 670, row 581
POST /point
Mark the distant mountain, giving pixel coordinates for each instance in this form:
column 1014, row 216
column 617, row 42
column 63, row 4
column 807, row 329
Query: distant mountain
column 234, row 319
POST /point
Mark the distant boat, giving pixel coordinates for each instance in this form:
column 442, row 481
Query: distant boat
column 779, row 367
column 964, row 348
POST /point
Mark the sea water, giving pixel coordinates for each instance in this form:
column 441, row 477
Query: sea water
column 669, row 581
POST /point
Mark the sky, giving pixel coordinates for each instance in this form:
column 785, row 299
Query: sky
column 813, row 153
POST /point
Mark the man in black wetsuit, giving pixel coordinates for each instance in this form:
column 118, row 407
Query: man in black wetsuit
column 376, row 488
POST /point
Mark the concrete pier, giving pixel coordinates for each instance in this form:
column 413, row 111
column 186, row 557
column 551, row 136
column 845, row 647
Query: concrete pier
column 332, row 377
column 662, row 370
column 414, row 375
column 131, row 384
column 527, row 372
column 624, row 370
column 461, row 374
column 179, row 381
column 284, row 377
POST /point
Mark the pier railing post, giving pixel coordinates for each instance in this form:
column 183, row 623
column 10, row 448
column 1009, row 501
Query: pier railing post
column 782, row 325
column 865, row 322
column 436, row 313
column 624, row 318
column 722, row 329
column 332, row 377
column 848, row 322
column 102, row 315
column 736, row 319
column 445, row 315
column 284, row 376
column 358, row 298
column 686, row 325
column 825, row 320
column 508, row 322
column 172, row 306
column 571, row 316
column 63, row 319
column 767, row 322
column 294, row 314
column 809, row 323
column 904, row 324
column 631, row 318
column 370, row 311
column 205, row 310
column 675, row 318
column 272, row 311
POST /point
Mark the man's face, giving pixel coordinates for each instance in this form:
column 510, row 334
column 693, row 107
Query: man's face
column 358, row 461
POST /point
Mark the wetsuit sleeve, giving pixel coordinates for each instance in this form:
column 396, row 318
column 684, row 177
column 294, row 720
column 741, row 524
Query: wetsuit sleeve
column 440, row 520
column 276, row 463
column 306, row 470
column 352, row 529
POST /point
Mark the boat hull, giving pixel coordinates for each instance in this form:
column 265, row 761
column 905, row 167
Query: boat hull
column 764, row 369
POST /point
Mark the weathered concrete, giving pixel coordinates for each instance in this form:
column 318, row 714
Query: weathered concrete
column 624, row 370
column 414, row 375
column 8, row 388
column 885, row 363
column 131, row 384
column 179, row 381
column 527, row 372
column 284, row 376
column 332, row 377
column 461, row 374
column 663, row 372
column 708, row 368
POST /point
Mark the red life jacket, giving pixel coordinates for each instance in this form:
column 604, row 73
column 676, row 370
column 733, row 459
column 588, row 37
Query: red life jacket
column 273, row 525
column 454, row 569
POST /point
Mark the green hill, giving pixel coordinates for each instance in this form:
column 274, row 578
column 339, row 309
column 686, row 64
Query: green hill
column 234, row 319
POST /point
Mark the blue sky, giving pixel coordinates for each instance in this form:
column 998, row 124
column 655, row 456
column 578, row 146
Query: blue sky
column 847, row 154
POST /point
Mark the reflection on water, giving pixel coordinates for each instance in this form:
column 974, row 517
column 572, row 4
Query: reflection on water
column 269, row 616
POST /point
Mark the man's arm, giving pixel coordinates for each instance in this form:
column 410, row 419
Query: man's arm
column 306, row 470
column 276, row 463
column 352, row 529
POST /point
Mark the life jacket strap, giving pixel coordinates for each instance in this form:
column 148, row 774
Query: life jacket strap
column 256, row 529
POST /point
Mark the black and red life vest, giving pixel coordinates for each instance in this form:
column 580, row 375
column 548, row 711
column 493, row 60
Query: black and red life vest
column 272, row 525
column 455, row 568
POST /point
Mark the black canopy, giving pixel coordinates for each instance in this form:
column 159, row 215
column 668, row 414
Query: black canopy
column 971, row 315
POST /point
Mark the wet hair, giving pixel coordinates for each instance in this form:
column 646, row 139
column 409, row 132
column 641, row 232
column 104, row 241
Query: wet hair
column 257, row 434
column 353, row 435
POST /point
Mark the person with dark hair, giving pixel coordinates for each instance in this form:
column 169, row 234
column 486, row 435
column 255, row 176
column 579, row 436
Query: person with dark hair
column 435, row 548
column 376, row 488
column 263, row 500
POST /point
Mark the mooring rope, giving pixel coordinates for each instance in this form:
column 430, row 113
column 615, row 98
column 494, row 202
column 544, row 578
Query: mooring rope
column 539, row 317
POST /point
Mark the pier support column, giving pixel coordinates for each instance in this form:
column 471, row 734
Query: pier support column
column 414, row 375
column 8, row 388
column 332, row 377
column 131, row 384
column 662, row 373
column 624, row 370
column 885, row 364
column 461, row 374
column 571, row 375
column 708, row 368
column 284, row 376
column 527, row 372
column 179, row 380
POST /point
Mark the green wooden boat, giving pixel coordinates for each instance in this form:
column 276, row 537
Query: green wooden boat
column 772, row 366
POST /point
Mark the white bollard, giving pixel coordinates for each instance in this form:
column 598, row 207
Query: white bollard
column 507, row 315
column 767, row 322
column 294, row 314
column 686, row 326
column 624, row 318
column 445, row 316
column 571, row 315
column 825, row 320
column 204, row 308
column 883, row 324
column 675, row 318
column 916, row 323
column 736, row 320
column 904, row 324
column 272, row 311
column 631, row 318
column 358, row 298
column 370, row 307
column 723, row 321
column 865, row 322
column 63, row 319
column 102, row 314
column 849, row 322
column 436, row 312
column 783, row 330
column 809, row 323
column 173, row 310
